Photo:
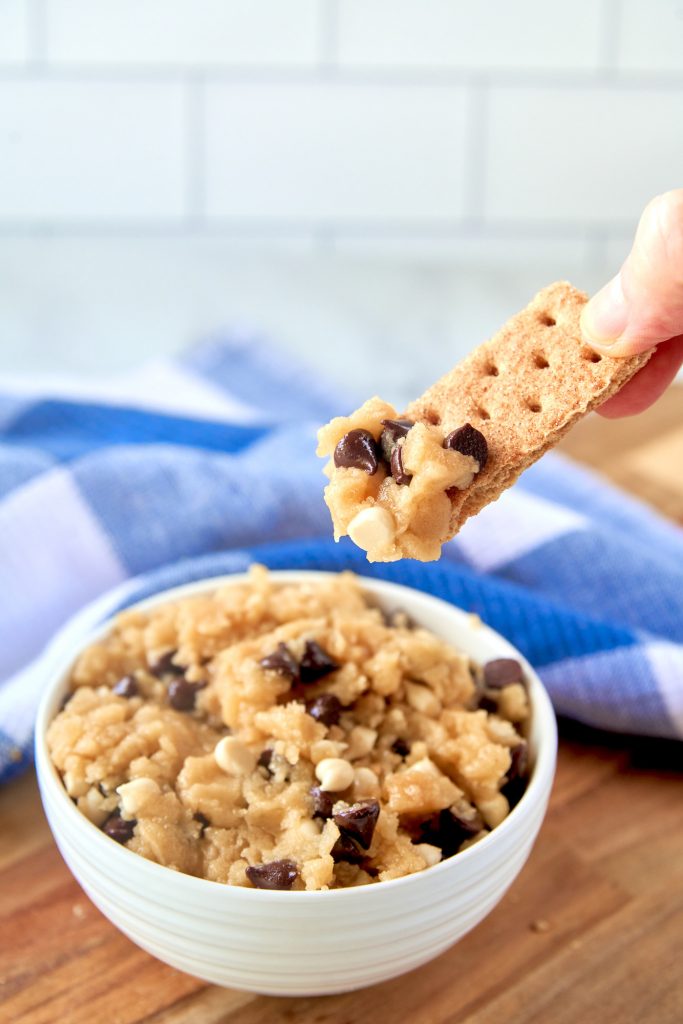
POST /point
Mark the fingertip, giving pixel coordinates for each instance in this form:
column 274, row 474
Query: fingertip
column 619, row 347
column 604, row 317
column 648, row 384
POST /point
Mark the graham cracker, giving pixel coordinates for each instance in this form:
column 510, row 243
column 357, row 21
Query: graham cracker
column 523, row 389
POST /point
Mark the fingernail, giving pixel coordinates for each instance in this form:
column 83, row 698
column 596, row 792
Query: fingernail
column 604, row 318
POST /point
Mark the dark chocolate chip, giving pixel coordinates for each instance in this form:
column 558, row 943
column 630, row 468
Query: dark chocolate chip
column 488, row 704
column 203, row 822
column 119, row 828
column 358, row 450
column 182, row 694
column 345, row 849
column 470, row 824
column 519, row 763
column 514, row 791
column 323, row 802
column 448, row 830
column 126, row 687
column 278, row 874
column 469, row 441
column 397, row 470
column 514, row 788
column 325, row 709
column 265, row 759
column 281, row 661
column 316, row 663
column 401, row 747
column 165, row 666
column 358, row 822
column 502, row 672
column 393, row 429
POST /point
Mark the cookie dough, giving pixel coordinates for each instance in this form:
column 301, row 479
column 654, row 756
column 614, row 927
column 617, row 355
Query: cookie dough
column 401, row 485
column 289, row 736
column 391, row 480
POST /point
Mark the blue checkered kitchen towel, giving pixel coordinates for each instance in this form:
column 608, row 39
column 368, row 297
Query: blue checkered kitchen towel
column 209, row 459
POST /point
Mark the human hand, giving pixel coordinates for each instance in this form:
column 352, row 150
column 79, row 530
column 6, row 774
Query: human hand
column 643, row 306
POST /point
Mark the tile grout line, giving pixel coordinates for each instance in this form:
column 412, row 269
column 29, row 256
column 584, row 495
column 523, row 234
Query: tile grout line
column 36, row 25
column 352, row 77
column 611, row 16
column 328, row 37
column 195, row 152
column 457, row 229
column 476, row 152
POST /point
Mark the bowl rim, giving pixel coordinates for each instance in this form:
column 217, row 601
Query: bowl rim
column 50, row 780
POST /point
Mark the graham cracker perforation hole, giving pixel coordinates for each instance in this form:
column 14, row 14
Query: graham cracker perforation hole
column 482, row 413
column 491, row 370
column 432, row 417
column 547, row 320
column 540, row 361
column 533, row 405
column 591, row 356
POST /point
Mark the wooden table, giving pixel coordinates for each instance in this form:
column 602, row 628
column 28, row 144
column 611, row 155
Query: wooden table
column 590, row 933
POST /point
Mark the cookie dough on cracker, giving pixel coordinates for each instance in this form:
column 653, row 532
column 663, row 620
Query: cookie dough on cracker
column 401, row 484
column 289, row 737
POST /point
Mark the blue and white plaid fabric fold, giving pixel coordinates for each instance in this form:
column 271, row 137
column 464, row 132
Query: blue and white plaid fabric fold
column 198, row 465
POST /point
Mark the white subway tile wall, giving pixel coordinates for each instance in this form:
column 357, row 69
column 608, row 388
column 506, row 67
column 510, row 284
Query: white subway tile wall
column 183, row 33
column 651, row 37
column 493, row 35
column 592, row 156
column 14, row 30
column 384, row 120
column 335, row 153
column 357, row 176
column 110, row 153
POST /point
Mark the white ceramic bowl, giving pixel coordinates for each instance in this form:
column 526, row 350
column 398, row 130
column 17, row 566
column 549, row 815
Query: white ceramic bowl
column 304, row 943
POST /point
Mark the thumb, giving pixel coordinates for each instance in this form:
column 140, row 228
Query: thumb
column 643, row 304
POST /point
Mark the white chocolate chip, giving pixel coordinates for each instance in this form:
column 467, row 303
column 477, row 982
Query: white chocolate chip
column 93, row 806
column 334, row 774
column 372, row 529
column 361, row 742
column 365, row 783
column 500, row 731
column 422, row 699
column 136, row 793
column 513, row 703
column 418, row 752
column 396, row 721
column 431, row 854
column 494, row 810
column 233, row 757
column 75, row 786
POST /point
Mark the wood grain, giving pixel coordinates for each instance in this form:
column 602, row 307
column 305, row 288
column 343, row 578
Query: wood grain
column 590, row 933
column 642, row 454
